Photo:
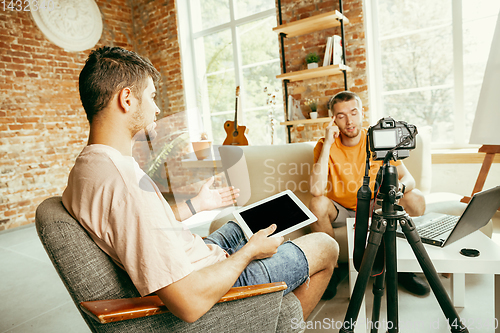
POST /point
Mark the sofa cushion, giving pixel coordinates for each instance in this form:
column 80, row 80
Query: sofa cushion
column 261, row 171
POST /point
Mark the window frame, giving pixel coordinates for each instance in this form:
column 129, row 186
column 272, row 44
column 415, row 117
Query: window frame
column 194, row 68
column 374, row 62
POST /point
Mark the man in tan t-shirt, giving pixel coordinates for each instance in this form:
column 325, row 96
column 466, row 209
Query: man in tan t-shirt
column 129, row 219
column 339, row 167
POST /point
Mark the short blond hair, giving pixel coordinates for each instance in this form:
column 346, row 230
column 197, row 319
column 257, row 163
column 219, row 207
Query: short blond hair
column 344, row 96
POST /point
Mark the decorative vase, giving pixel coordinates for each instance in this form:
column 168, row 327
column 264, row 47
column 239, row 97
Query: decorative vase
column 312, row 65
column 201, row 149
column 313, row 115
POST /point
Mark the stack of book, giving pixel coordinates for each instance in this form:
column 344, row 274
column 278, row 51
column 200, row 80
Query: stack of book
column 333, row 51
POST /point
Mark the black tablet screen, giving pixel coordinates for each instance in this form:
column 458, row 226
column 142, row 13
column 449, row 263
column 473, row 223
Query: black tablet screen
column 282, row 211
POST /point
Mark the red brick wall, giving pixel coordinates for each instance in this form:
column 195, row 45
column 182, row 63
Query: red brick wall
column 42, row 123
column 296, row 48
column 156, row 38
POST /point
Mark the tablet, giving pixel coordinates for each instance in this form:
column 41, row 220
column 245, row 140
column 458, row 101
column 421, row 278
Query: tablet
column 283, row 209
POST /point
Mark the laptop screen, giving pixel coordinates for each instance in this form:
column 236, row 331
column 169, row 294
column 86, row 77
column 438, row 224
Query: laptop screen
column 478, row 213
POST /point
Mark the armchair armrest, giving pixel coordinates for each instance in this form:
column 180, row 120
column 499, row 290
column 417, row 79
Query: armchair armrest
column 107, row 311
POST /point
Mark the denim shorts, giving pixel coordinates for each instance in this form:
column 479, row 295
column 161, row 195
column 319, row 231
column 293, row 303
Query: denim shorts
column 289, row 264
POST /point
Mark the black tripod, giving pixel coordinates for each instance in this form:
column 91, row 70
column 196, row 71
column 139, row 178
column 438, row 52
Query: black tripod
column 383, row 227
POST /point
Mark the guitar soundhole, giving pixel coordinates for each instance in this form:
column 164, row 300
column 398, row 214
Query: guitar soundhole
column 235, row 133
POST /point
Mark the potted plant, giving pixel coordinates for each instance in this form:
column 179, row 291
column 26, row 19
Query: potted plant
column 202, row 147
column 313, row 105
column 312, row 60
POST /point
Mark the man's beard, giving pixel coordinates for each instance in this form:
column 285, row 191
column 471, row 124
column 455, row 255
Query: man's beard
column 350, row 134
column 139, row 131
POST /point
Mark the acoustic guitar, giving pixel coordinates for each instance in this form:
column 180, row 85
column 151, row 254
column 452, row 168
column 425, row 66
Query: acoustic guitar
column 235, row 134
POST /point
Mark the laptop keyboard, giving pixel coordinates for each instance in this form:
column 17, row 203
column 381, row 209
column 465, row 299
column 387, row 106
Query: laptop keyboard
column 437, row 228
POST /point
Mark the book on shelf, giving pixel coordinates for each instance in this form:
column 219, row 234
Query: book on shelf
column 337, row 58
column 328, row 52
column 294, row 111
column 333, row 51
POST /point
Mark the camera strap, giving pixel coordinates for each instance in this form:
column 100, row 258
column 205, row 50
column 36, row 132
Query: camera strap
column 364, row 209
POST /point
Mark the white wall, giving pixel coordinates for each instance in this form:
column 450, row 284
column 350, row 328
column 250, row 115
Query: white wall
column 460, row 178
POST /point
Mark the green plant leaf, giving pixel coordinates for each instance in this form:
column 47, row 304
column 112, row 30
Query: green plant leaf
column 312, row 57
column 172, row 145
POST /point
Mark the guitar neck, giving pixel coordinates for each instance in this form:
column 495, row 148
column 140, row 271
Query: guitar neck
column 236, row 113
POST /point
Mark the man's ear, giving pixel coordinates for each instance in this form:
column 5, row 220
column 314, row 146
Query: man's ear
column 125, row 99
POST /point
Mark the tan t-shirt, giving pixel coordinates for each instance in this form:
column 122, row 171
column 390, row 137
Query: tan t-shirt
column 346, row 168
column 128, row 218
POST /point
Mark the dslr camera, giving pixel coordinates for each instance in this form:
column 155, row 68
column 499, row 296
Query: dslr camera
column 391, row 135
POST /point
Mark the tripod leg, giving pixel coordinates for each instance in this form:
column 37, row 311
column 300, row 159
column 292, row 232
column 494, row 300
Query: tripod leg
column 391, row 276
column 378, row 292
column 432, row 277
column 377, row 230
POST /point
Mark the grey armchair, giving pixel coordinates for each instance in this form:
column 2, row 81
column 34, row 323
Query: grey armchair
column 89, row 274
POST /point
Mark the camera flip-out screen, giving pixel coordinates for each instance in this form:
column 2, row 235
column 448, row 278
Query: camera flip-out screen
column 385, row 139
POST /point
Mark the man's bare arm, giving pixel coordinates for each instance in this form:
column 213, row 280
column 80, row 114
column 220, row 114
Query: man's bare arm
column 192, row 296
column 319, row 177
column 405, row 177
column 413, row 200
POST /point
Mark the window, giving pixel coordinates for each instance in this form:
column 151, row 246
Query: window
column 428, row 63
column 230, row 44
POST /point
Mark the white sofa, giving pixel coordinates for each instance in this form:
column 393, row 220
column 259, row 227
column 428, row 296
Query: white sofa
column 261, row 171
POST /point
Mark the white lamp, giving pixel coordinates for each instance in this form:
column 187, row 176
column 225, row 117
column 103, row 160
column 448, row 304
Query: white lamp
column 486, row 126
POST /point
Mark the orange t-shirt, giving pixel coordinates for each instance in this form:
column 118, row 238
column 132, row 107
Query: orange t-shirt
column 346, row 169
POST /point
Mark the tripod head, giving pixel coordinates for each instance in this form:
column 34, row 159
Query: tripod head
column 389, row 191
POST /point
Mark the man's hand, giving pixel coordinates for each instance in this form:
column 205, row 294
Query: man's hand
column 331, row 132
column 192, row 296
column 261, row 246
column 209, row 199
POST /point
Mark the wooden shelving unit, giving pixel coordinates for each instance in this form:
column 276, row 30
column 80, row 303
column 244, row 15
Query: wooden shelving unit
column 308, row 25
column 307, row 121
column 311, row 24
column 307, row 74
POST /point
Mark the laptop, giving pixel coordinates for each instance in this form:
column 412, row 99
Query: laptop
column 442, row 229
column 283, row 209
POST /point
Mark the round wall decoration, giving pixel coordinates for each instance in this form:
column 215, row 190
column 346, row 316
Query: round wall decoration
column 74, row 25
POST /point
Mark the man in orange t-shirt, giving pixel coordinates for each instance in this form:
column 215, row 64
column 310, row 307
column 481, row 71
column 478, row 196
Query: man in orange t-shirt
column 339, row 167
column 346, row 170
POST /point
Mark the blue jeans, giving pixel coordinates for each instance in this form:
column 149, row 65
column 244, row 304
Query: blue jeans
column 289, row 264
